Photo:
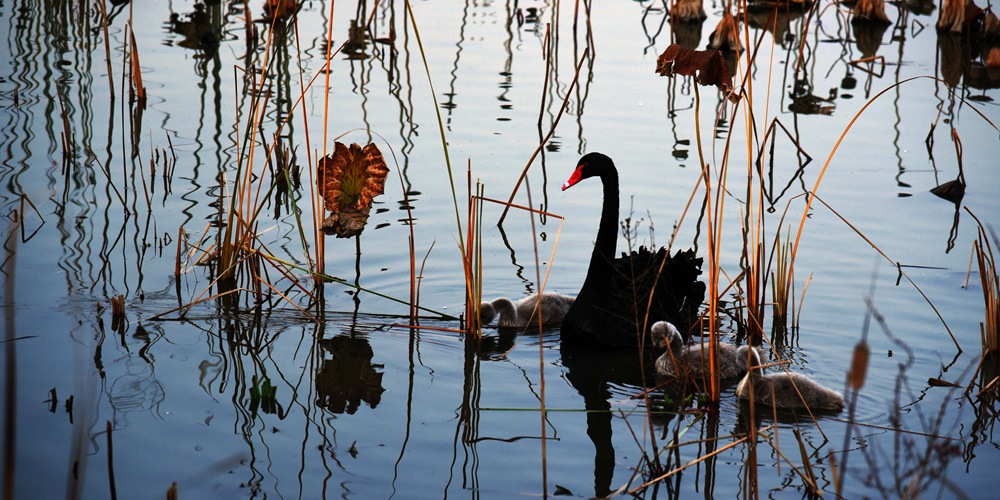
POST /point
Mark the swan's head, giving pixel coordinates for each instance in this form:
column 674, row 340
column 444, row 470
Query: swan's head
column 744, row 352
column 590, row 164
column 665, row 335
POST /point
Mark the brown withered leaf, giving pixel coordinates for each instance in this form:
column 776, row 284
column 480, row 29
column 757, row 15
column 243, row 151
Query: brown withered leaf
column 707, row 66
column 349, row 179
column 936, row 382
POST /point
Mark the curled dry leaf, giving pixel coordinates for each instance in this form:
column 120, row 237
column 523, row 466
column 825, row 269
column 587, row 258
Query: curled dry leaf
column 707, row 66
column 936, row 382
column 348, row 180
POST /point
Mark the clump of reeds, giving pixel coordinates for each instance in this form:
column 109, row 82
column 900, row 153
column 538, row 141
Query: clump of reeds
column 781, row 281
column 983, row 251
column 473, row 260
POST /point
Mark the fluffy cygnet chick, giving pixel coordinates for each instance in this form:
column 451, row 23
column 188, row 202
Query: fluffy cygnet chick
column 511, row 314
column 778, row 390
column 691, row 360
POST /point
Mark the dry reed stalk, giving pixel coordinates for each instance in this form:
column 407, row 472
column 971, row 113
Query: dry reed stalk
column 137, row 92
column 808, row 477
column 472, row 257
column 990, row 281
column 689, row 464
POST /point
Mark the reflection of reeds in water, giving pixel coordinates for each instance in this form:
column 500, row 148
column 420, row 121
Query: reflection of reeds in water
column 688, row 34
column 868, row 36
column 952, row 16
column 869, row 10
column 778, row 20
column 953, row 57
column 726, row 37
column 688, row 11
column 137, row 91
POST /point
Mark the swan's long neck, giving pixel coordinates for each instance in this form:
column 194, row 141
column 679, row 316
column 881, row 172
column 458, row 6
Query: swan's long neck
column 601, row 269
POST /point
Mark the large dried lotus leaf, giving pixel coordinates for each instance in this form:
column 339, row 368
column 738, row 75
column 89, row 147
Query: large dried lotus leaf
column 707, row 66
column 349, row 179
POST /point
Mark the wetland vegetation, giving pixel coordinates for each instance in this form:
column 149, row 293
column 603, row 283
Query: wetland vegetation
column 246, row 244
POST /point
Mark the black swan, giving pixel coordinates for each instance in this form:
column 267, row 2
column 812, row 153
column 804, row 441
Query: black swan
column 691, row 360
column 778, row 390
column 553, row 307
column 612, row 305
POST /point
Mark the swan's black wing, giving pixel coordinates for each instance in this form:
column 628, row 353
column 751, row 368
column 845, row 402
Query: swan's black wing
column 619, row 316
column 677, row 293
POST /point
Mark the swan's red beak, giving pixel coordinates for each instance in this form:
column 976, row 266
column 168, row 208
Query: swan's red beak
column 576, row 177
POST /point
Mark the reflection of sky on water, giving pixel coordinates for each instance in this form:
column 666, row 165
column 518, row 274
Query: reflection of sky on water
column 427, row 409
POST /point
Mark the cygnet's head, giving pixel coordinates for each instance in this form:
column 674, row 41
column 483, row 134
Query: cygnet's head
column 665, row 335
column 506, row 312
column 486, row 313
column 741, row 357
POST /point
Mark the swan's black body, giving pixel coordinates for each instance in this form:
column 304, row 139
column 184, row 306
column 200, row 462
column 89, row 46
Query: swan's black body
column 612, row 304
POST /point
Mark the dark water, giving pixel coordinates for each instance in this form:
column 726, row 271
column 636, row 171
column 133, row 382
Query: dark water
column 365, row 409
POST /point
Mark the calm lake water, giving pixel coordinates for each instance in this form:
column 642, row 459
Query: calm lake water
column 365, row 409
